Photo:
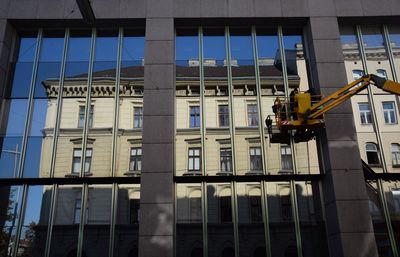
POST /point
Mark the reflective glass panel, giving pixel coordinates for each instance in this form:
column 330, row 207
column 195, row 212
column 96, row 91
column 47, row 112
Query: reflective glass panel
column 189, row 237
column 32, row 241
column 97, row 220
column 251, row 220
column 311, row 218
column 188, row 140
column 281, row 221
column 130, row 105
column 378, row 219
column 392, row 194
column 220, row 220
column 67, row 217
column 127, row 224
column 10, row 207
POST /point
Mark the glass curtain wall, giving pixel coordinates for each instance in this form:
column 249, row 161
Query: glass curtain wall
column 374, row 49
column 227, row 79
column 64, row 118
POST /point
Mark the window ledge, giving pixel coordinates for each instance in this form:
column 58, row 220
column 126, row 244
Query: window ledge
column 224, row 173
column 77, row 175
column 192, row 173
column 285, row 172
column 396, row 165
column 133, row 173
column 254, row 172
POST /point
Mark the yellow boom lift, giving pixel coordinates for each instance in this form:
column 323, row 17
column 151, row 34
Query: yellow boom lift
column 302, row 114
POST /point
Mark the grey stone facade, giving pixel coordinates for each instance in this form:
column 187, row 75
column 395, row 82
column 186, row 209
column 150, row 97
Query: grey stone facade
column 349, row 226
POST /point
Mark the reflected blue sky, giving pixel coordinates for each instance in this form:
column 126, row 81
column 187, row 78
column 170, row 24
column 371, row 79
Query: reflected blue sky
column 27, row 50
column 241, row 46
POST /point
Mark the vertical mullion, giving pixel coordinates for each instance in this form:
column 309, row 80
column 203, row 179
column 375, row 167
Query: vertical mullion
column 204, row 217
column 113, row 218
column 116, row 103
column 202, row 109
column 59, row 104
column 387, row 217
column 235, row 217
column 203, row 151
column 232, row 134
column 296, row 219
column 82, row 219
column 51, row 220
column 286, row 86
column 371, row 99
column 264, row 205
column 389, row 51
column 259, row 100
column 88, row 104
column 20, row 220
column 30, row 103
column 230, row 102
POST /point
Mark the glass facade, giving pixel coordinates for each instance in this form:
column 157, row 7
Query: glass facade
column 375, row 49
column 73, row 110
column 227, row 79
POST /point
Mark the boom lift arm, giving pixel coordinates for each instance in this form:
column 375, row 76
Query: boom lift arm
column 302, row 119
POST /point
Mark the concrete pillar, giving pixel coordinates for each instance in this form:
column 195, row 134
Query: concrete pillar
column 349, row 225
column 157, row 221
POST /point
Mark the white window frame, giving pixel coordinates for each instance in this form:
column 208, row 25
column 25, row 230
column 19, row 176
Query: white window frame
column 137, row 117
column 395, row 151
column 365, row 115
column 389, row 115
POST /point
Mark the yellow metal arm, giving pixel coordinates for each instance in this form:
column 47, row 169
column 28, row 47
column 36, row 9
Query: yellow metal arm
column 351, row 89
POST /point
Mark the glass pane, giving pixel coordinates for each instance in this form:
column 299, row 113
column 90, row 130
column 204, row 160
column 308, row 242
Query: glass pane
column 311, row 218
column 127, row 223
column 281, row 224
column 392, row 194
column 189, row 235
column 220, row 226
column 251, row 224
column 378, row 220
column 11, row 197
column 66, row 221
column 22, row 76
column 15, row 111
column 131, row 101
column 247, row 135
column 34, row 230
column 73, row 98
column 97, row 224
column 187, row 99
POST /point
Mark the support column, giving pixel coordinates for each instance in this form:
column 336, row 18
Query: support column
column 349, row 225
column 156, row 227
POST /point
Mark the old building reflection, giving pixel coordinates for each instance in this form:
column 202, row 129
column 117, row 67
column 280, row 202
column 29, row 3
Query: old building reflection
column 225, row 211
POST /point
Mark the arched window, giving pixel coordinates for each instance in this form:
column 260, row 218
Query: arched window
column 357, row 74
column 395, row 149
column 372, row 154
column 195, row 206
column 381, row 73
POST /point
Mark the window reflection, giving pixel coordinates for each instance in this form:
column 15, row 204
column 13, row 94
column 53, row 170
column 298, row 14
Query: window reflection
column 189, row 220
column 127, row 226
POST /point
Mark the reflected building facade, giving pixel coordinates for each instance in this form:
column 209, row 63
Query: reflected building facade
column 144, row 134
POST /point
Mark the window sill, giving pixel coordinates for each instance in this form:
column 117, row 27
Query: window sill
column 395, row 165
column 192, row 173
column 133, row 173
column 254, row 172
column 224, row 173
column 77, row 175
column 285, row 172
